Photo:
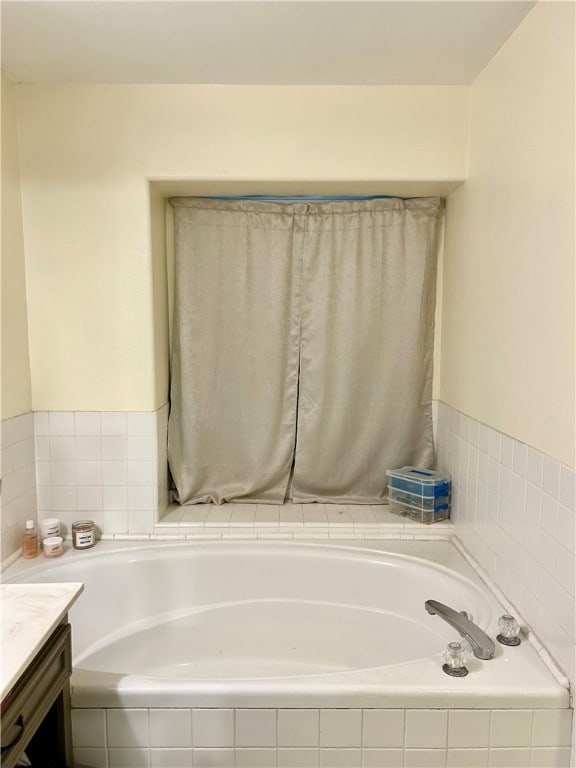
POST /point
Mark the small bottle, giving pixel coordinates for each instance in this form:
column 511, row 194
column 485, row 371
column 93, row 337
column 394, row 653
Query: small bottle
column 30, row 541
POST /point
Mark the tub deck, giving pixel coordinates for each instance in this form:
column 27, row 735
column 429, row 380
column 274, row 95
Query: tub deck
column 284, row 624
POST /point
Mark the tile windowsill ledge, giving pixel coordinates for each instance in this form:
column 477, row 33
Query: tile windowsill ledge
column 293, row 521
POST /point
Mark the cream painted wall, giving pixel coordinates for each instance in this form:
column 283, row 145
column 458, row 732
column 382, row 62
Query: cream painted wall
column 16, row 390
column 508, row 306
column 98, row 335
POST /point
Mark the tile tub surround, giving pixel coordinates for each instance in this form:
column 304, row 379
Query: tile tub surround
column 293, row 521
column 109, row 467
column 288, row 738
column 513, row 509
column 18, row 481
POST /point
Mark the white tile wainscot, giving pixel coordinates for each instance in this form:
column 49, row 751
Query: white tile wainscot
column 288, row 738
column 18, row 481
column 109, row 467
column 513, row 509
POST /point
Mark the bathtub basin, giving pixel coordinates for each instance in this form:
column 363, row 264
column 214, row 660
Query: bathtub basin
column 257, row 623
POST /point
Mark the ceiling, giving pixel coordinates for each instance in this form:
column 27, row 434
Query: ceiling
column 269, row 42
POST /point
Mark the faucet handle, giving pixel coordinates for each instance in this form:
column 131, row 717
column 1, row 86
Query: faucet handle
column 509, row 629
column 456, row 655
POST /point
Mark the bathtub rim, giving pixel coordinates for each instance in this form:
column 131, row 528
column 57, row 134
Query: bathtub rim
column 87, row 690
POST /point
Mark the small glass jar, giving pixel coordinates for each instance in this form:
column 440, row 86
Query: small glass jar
column 53, row 546
column 83, row 534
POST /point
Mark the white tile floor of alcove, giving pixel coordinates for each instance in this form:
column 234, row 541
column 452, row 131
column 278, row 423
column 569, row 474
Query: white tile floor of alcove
column 293, row 521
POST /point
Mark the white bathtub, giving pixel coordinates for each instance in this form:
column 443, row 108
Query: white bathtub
column 283, row 624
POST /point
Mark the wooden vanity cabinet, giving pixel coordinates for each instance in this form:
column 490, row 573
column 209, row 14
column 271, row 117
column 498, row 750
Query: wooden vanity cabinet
column 35, row 715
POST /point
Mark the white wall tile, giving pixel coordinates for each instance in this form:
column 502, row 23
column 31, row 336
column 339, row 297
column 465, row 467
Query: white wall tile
column 505, row 483
column 565, row 568
column 566, row 527
column 567, row 487
column 114, row 448
column 141, row 497
column 520, row 458
column 114, row 498
column 43, row 473
column 115, row 521
column 44, row 497
column 382, row 758
column 141, row 423
column 115, row 473
column 467, row 758
column 141, row 447
column 127, row 727
column 426, row 728
column 340, row 727
column 140, row 521
column 551, row 757
column 255, row 758
column 89, row 472
column 170, row 758
column 42, row 447
column 533, row 504
column 425, row 758
column 63, row 498
column 298, row 727
column 213, row 727
column 546, row 550
column 528, row 548
column 341, row 758
column 298, row 758
column 171, row 728
column 89, row 498
column 113, row 423
column 19, row 483
column 63, row 473
column 87, row 423
column 213, row 758
column 507, row 451
column 509, row 758
column 551, row 477
column 552, row 727
column 128, row 758
column 255, row 727
column 88, row 448
column 62, row 448
column 383, row 728
column 549, row 514
column 468, row 728
column 41, row 423
column 534, row 467
column 89, row 727
column 61, row 423
column 511, row 727
column 140, row 473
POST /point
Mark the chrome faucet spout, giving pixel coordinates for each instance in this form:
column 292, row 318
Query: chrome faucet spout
column 482, row 646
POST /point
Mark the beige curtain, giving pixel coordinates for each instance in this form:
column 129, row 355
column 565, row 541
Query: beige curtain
column 326, row 309
column 235, row 347
column 366, row 347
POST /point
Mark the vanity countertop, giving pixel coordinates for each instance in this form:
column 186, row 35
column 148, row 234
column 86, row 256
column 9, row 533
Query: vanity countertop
column 30, row 613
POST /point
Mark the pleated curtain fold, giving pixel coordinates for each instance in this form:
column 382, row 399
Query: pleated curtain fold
column 302, row 348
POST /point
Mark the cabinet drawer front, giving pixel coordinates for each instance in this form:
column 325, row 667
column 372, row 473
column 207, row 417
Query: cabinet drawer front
column 35, row 693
